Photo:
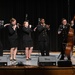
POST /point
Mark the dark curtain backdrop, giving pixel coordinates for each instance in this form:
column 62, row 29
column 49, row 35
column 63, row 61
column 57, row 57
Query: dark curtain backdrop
column 52, row 10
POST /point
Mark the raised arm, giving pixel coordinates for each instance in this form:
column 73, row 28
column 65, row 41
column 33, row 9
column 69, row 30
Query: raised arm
column 60, row 29
column 11, row 30
column 40, row 28
column 26, row 30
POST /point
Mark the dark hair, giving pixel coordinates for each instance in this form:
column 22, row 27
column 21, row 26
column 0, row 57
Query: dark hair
column 25, row 21
column 41, row 19
column 63, row 19
column 12, row 19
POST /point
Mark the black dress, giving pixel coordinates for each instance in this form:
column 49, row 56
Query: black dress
column 13, row 37
column 27, row 40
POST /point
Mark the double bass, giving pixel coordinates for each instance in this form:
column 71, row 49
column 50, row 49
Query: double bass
column 70, row 42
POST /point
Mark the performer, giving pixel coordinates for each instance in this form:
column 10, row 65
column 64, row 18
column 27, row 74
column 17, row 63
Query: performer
column 13, row 39
column 27, row 40
column 1, row 46
column 43, row 38
column 63, row 34
column 72, row 24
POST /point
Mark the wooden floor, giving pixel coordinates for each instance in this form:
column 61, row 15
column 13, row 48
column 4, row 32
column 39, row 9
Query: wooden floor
column 36, row 70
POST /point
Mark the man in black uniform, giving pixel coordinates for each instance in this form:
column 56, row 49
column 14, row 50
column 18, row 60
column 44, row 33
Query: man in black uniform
column 43, row 38
column 63, row 34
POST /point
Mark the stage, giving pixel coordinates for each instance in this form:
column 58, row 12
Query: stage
column 31, row 67
column 21, row 58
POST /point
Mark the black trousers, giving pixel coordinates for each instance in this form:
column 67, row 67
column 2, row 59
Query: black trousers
column 44, row 48
column 63, row 47
column 1, row 49
column 63, row 41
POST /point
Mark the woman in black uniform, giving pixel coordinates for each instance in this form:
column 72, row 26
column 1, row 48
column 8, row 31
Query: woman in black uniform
column 13, row 39
column 27, row 40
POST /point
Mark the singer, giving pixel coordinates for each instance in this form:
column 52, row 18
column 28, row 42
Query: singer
column 43, row 38
column 1, row 46
column 63, row 35
column 27, row 40
column 13, row 39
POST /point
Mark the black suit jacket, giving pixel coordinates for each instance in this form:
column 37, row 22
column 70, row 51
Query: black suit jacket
column 64, row 32
column 27, row 34
column 43, row 36
column 12, row 33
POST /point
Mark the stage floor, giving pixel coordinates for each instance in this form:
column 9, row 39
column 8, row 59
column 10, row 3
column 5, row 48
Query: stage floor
column 34, row 58
column 31, row 67
column 21, row 58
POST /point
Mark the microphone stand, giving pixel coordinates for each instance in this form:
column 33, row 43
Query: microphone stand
column 38, row 21
column 38, row 49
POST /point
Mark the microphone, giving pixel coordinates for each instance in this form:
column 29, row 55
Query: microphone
column 26, row 17
column 38, row 20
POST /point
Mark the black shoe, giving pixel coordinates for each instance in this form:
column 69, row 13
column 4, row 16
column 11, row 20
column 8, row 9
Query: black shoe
column 29, row 58
column 11, row 59
column 62, row 58
column 14, row 59
column 69, row 58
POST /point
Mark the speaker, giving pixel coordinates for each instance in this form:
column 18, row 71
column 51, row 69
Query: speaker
column 47, row 60
column 3, row 61
column 64, row 63
column 20, row 64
